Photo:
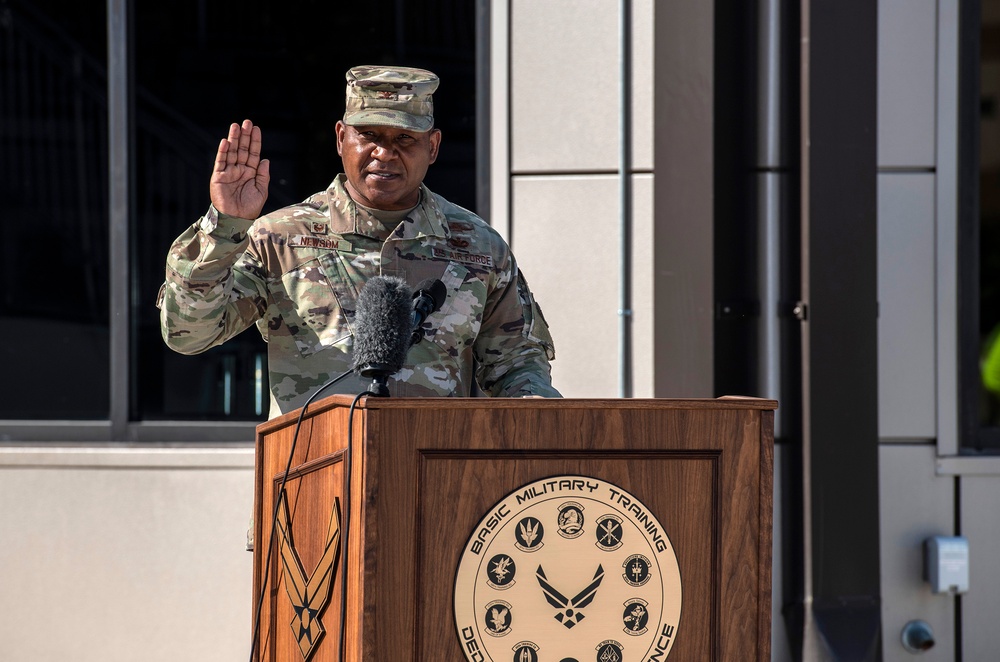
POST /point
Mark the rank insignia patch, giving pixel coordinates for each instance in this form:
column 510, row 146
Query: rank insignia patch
column 603, row 590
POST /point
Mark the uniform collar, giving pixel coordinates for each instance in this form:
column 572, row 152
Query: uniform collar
column 427, row 220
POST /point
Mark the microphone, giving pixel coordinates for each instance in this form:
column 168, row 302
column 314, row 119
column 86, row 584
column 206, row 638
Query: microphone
column 382, row 329
column 427, row 298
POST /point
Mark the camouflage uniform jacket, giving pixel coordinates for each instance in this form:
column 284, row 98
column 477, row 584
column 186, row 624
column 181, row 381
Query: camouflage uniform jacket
column 297, row 272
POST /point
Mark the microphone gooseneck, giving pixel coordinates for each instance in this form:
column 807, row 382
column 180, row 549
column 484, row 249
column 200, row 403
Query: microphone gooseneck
column 382, row 330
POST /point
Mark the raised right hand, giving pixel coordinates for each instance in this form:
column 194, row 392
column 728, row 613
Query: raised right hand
column 240, row 179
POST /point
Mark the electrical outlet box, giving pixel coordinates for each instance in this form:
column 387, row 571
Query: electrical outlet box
column 948, row 564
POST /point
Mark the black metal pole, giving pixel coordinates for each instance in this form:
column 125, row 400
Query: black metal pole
column 842, row 619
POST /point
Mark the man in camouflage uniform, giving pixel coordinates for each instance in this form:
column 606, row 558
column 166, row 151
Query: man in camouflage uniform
column 296, row 272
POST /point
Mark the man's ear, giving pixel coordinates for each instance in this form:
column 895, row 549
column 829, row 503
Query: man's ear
column 340, row 129
column 435, row 138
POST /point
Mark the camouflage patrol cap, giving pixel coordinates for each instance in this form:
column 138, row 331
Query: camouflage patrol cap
column 390, row 96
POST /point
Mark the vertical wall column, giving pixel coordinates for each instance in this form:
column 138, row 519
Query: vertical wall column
column 839, row 329
column 683, row 262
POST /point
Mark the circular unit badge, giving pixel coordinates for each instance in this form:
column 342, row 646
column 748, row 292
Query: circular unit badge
column 571, row 568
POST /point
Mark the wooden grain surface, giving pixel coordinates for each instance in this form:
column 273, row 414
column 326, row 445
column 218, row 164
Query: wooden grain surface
column 430, row 469
column 316, row 481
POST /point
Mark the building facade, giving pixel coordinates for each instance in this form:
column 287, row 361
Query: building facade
column 782, row 199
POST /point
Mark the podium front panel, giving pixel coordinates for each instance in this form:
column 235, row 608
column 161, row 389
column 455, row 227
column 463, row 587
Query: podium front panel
column 703, row 472
column 426, row 473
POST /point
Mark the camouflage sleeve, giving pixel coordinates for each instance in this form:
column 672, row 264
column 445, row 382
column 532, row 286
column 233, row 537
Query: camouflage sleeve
column 514, row 346
column 214, row 287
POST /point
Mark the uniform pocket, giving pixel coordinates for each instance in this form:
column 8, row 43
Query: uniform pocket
column 441, row 363
column 312, row 312
column 461, row 314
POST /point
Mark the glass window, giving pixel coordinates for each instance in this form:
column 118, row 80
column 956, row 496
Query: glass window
column 194, row 67
column 54, row 321
column 979, row 223
column 199, row 66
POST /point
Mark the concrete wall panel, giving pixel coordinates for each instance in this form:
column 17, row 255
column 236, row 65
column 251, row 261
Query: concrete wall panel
column 915, row 504
column 121, row 563
column 565, row 85
column 907, row 92
column 980, row 498
column 906, row 293
column 576, row 278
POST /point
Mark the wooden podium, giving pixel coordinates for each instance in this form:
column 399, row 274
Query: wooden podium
column 435, row 484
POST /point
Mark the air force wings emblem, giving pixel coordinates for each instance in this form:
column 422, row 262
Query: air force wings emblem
column 569, row 609
column 308, row 594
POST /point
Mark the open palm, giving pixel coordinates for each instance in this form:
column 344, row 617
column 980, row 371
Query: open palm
column 240, row 179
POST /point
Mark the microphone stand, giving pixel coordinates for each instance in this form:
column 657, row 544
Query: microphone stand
column 379, row 374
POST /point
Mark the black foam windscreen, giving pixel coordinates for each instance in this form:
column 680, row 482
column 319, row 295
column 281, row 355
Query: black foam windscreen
column 382, row 325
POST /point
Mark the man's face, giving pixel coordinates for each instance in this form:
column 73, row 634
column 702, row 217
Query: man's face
column 385, row 165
